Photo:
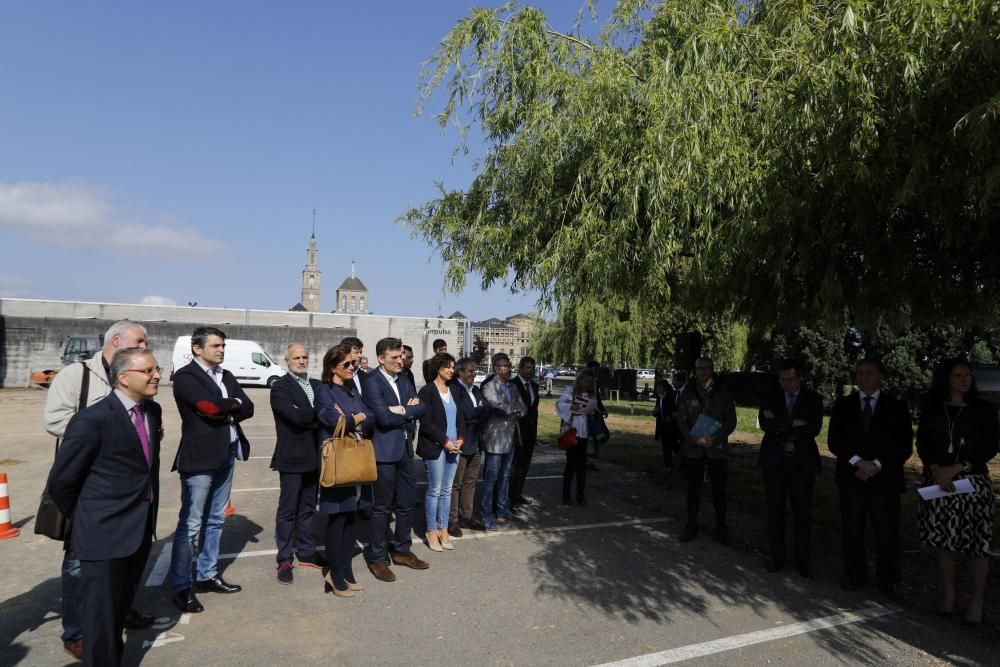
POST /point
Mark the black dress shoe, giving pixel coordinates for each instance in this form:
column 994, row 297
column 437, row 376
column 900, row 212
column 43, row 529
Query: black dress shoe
column 136, row 620
column 804, row 570
column 186, row 601
column 580, row 500
column 722, row 535
column 774, row 565
column 216, row 585
column 688, row 534
column 455, row 530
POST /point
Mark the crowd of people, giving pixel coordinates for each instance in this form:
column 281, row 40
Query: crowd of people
column 871, row 435
column 106, row 472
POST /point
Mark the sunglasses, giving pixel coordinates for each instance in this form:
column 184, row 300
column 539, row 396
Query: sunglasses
column 347, row 364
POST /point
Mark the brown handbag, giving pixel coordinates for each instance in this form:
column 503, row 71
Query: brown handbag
column 346, row 460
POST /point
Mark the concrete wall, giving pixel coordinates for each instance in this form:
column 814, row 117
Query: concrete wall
column 32, row 332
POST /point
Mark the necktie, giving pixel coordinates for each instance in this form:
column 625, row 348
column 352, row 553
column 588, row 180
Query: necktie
column 791, row 404
column 866, row 413
column 139, row 422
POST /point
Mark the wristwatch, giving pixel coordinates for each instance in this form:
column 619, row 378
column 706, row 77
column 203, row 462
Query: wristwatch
column 966, row 466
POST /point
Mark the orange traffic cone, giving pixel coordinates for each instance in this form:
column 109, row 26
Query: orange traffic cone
column 6, row 529
column 230, row 510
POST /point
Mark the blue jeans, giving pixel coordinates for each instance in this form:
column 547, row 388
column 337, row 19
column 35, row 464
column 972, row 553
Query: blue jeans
column 203, row 509
column 437, row 502
column 497, row 479
column 70, row 585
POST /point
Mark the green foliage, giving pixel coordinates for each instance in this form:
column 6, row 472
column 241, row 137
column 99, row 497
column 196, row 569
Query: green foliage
column 776, row 160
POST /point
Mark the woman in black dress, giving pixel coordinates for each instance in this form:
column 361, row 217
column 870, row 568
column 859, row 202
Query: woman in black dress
column 337, row 398
column 957, row 435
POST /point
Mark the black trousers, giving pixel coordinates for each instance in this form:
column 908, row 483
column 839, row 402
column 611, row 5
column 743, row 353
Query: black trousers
column 522, row 461
column 293, row 529
column 576, row 463
column 108, row 588
column 718, row 473
column 339, row 537
column 787, row 483
column 857, row 506
column 395, row 491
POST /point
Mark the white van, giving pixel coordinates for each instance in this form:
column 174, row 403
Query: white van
column 245, row 359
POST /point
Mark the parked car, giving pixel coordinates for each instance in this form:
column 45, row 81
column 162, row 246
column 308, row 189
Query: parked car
column 646, row 374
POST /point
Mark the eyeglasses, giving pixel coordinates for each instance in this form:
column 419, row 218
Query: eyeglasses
column 347, row 364
column 149, row 372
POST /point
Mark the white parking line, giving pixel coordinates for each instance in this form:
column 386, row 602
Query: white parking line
column 749, row 639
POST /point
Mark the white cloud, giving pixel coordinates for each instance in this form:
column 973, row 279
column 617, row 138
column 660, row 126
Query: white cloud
column 79, row 216
column 157, row 301
column 14, row 287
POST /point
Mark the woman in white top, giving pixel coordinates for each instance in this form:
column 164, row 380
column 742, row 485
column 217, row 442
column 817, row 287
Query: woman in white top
column 574, row 407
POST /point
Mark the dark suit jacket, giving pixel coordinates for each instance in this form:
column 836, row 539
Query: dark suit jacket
column 409, row 376
column 476, row 413
column 528, row 424
column 666, row 427
column 297, row 448
column 101, row 478
column 205, row 418
column 889, row 439
column 393, row 434
column 434, row 423
column 778, row 429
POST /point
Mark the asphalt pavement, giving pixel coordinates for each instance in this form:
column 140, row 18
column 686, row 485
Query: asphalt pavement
column 603, row 584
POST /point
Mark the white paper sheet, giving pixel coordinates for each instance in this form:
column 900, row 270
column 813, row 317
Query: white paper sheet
column 934, row 491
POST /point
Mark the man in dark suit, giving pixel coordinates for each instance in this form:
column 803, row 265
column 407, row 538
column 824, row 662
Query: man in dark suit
column 666, row 432
column 296, row 458
column 407, row 371
column 357, row 348
column 439, row 346
column 791, row 418
column 528, row 426
column 871, row 433
column 212, row 405
column 477, row 413
column 394, row 402
column 106, row 475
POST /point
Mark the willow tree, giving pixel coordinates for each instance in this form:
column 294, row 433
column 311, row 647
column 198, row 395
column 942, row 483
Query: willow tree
column 777, row 159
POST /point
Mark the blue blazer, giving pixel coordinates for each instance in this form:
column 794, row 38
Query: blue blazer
column 393, row 434
column 476, row 415
column 101, row 478
column 328, row 395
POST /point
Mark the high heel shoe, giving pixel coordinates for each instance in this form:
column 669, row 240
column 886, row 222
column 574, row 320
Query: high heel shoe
column 445, row 540
column 355, row 586
column 330, row 587
column 433, row 541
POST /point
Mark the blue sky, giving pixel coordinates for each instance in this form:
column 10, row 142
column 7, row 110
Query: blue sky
column 177, row 150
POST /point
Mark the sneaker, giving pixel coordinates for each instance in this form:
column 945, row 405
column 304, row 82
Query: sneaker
column 285, row 573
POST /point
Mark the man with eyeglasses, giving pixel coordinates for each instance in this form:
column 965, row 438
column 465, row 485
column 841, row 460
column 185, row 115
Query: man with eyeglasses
column 211, row 404
column 81, row 385
column 106, row 475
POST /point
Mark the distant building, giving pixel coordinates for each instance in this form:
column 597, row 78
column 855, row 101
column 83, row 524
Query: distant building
column 352, row 296
column 512, row 335
column 310, row 281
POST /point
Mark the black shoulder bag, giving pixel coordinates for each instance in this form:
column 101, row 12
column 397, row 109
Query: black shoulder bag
column 49, row 520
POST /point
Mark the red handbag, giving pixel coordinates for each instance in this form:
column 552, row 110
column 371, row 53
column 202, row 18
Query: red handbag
column 568, row 439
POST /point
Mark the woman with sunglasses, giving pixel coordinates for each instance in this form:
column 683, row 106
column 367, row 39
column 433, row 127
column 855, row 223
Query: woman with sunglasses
column 442, row 432
column 338, row 397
